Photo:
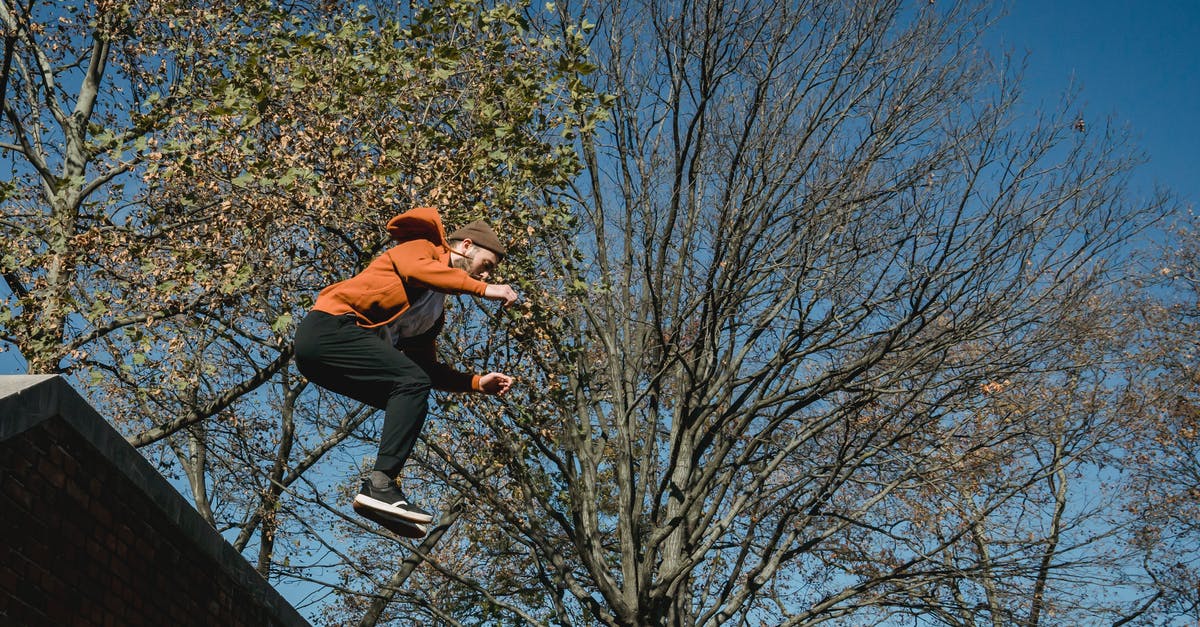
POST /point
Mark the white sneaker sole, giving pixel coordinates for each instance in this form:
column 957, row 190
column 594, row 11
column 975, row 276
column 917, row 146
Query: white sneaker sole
column 402, row 528
column 392, row 510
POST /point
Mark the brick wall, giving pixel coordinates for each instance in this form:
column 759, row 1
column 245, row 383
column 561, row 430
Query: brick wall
column 91, row 535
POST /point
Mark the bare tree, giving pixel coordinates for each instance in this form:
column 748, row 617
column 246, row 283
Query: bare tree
column 817, row 328
column 816, row 246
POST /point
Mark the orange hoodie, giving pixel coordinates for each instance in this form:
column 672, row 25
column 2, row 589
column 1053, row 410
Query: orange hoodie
column 379, row 294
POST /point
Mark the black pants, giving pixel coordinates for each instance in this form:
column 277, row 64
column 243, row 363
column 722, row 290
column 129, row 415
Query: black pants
column 340, row 356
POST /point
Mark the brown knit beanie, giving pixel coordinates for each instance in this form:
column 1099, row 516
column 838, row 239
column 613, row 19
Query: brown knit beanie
column 481, row 234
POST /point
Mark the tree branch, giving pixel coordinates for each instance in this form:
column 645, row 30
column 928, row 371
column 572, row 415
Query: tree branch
column 225, row 400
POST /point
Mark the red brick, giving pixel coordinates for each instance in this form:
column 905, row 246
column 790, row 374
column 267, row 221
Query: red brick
column 143, row 548
column 51, row 584
column 96, row 551
column 71, row 531
column 57, row 610
column 38, row 556
column 120, row 572
column 21, row 613
column 101, row 513
column 8, row 522
column 17, row 491
column 19, row 463
column 52, row 472
column 69, row 465
column 122, row 551
column 126, row 534
column 77, row 494
column 68, row 507
column 8, row 577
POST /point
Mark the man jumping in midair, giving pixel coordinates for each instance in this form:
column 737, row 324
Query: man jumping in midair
column 372, row 338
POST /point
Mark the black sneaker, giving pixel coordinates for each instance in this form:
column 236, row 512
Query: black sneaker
column 402, row 528
column 392, row 502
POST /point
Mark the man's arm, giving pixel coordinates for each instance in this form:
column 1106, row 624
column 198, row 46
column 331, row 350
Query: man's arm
column 422, row 349
column 419, row 261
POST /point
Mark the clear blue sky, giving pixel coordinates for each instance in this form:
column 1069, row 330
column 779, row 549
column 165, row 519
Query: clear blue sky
column 1136, row 62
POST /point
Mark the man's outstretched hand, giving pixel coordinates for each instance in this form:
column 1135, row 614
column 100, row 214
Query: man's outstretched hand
column 503, row 293
column 495, row 383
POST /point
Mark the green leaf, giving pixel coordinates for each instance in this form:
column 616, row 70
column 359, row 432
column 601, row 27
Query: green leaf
column 281, row 323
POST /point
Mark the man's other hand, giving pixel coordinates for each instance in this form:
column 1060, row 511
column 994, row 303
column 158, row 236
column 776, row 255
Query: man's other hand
column 503, row 293
column 495, row 383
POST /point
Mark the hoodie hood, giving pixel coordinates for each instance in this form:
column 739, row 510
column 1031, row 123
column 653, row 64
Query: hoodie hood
column 418, row 223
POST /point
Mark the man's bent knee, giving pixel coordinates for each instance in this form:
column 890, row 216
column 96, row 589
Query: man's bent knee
column 415, row 385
